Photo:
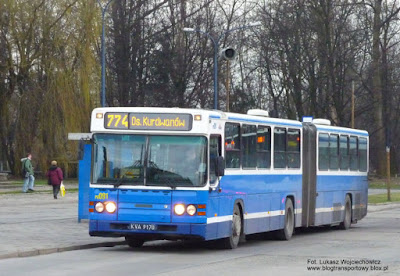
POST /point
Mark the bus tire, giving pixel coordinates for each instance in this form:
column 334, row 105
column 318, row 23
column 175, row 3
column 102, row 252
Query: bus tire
column 288, row 228
column 134, row 243
column 232, row 241
column 347, row 214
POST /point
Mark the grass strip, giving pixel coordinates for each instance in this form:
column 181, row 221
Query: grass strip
column 382, row 198
column 41, row 182
column 381, row 184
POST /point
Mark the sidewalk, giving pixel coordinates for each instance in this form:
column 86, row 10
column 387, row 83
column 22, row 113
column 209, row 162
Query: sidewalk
column 35, row 224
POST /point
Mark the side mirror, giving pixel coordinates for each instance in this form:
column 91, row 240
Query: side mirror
column 220, row 168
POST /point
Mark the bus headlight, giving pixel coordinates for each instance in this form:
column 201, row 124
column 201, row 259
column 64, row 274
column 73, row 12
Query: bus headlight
column 99, row 207
column 191, row 210
column 111, row 207
column 179, row 209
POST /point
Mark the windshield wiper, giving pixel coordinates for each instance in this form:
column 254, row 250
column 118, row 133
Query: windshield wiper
column 119, row 182
column 172, row 181
column 165, row 181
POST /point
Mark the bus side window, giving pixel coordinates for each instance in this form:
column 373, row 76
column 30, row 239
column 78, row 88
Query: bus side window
column 362, row 149
column 344, row 152
column 215, row 151
column 263, row 147
column 249, row 139
column 232, row 145
column 353, row 153
column 333, row 152
column 323, row 152
column 280, row 148
column 293, row 148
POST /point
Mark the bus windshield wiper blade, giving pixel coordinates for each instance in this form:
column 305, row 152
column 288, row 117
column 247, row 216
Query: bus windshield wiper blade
column 121, row 182
column 170, row 182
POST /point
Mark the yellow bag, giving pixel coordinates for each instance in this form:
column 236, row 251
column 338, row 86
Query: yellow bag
column 62, row 189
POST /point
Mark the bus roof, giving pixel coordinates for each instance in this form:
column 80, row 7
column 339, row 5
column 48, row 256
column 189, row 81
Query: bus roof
column 244, row 118
column 216, row 114
column 212, row 114
column 341, row 130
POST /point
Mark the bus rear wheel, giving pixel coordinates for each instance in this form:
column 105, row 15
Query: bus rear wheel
column 288, row 228
column 347, row 214
column 232, row 241
column 134, row 243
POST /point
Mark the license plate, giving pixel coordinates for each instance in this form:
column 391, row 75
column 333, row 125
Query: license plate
column 141, row 226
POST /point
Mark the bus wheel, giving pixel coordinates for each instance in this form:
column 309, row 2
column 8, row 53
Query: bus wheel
column 134, row 243
column 347, row 214
column 288, row 228
column 233, row 240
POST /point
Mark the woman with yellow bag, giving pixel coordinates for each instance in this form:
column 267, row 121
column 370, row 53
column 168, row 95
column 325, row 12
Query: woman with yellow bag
column 55, row 176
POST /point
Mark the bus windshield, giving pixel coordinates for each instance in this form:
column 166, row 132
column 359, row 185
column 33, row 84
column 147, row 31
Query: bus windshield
column 149, row 160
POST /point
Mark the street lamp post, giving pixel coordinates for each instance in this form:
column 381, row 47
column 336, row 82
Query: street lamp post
column 103, row 53
column 216, row 42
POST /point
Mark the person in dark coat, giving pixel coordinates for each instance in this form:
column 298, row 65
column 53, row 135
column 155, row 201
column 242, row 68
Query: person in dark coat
column 55, row 176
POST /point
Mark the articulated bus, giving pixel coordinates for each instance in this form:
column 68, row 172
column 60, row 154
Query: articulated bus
column 193, row 174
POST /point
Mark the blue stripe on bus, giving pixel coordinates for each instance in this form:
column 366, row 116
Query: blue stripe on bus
column 263, row 202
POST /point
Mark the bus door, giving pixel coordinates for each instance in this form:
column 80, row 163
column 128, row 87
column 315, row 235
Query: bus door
column 309, row 174
column 215, row 150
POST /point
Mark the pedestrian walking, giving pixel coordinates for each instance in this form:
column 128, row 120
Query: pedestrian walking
column 27, row 170
column 55, row 176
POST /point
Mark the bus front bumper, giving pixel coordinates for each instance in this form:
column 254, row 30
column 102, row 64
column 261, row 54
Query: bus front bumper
column 150, row 231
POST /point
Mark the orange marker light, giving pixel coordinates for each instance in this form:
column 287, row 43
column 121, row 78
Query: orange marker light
column 201, row 213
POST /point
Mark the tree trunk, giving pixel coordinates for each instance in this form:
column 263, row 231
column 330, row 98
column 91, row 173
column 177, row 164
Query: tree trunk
column 377, row 89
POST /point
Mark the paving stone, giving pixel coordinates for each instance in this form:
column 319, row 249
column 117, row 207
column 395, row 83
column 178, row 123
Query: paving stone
column 35, row 223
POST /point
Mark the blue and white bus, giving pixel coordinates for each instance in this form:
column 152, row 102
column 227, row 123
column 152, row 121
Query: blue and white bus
column 193, row 174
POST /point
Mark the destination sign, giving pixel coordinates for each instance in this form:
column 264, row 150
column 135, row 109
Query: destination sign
column 147, row 121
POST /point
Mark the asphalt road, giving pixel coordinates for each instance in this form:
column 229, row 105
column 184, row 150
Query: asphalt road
column 370, row 247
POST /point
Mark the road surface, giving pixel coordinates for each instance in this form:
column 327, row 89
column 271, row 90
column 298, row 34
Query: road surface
column 370, row 247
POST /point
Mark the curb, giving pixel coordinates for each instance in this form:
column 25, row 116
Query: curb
column 382, row 206
column 48, row 251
